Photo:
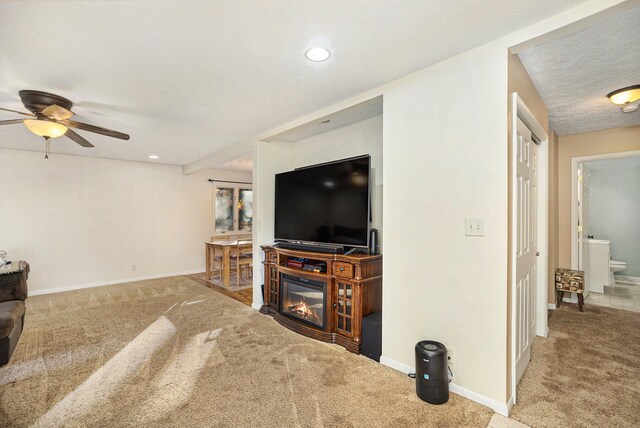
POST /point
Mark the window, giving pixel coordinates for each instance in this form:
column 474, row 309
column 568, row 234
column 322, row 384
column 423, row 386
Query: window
column 245, row 209
column 233, row 210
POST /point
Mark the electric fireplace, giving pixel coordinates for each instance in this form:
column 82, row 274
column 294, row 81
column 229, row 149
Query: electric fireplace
column 303, row 299
column 327, row 305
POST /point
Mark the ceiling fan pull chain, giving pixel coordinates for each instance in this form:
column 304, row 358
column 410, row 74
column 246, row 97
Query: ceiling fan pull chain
column 48, row 149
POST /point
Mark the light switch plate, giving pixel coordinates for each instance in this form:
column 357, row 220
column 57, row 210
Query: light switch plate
column 474, row 227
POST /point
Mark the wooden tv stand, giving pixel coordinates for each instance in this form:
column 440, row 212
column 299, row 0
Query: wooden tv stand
column 353, row 287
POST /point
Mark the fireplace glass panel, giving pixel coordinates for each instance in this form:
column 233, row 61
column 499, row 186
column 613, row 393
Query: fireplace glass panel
column 303, row 299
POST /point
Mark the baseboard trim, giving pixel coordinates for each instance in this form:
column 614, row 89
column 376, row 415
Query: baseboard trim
column 496, row 406
column 627, row 279
column 551, row 306
column 510, row 404
column 396, row 365
column 112, row 282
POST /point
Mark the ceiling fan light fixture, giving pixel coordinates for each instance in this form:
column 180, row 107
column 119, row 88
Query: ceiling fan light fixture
column 45, row 128
column 625, row 96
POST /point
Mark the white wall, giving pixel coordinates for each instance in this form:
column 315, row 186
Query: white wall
column 445, row 158
column 614, row 208
column 360, row 138
column 269, row 159
column 81, row 221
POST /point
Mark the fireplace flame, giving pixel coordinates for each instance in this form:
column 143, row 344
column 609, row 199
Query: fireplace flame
column 301, row 310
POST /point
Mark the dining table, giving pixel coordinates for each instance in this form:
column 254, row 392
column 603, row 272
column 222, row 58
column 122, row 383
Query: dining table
column 226, row 246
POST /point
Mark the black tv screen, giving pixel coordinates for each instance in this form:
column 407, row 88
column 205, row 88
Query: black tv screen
column 327, row 203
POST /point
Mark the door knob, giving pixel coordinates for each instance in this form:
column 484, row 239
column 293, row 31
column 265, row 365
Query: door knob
column 538, row 253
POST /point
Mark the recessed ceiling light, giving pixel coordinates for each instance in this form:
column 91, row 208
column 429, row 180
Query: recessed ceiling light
column 154, row 157
column 317, row 54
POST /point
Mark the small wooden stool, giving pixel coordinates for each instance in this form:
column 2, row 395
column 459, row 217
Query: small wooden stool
column 571, row 281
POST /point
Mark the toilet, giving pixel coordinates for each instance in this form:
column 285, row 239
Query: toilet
column 615, row 266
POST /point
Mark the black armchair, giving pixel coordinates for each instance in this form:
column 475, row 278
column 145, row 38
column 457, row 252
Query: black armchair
column 13, row 293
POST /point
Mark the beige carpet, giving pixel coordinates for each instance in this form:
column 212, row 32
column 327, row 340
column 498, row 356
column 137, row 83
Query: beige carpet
column 171, row 352
column 586, row 373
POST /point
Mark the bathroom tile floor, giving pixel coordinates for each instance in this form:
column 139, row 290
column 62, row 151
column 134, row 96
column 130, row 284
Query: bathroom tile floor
column 619, row 296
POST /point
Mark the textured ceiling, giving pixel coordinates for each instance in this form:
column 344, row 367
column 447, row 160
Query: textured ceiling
column 575, row 73
column 188, row 77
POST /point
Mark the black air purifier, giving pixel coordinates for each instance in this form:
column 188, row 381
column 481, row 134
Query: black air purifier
column 432, row 373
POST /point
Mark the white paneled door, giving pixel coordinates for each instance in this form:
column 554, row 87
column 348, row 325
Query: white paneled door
column 583, row 224
column 526, row 245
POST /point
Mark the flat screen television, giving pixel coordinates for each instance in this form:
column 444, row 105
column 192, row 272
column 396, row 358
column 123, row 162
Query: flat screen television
column 325, row 204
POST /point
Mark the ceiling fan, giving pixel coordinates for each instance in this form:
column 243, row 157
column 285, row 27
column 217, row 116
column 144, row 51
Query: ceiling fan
column 49, row 118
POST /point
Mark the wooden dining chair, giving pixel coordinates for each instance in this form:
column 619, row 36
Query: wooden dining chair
column 244, row 260
column 216, row 262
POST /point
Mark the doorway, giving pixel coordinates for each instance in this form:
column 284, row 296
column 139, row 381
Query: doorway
column 605, row 205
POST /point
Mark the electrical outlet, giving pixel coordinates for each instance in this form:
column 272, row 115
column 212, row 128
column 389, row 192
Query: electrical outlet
column 450, row 355
column 474, row 227
column 133, row 267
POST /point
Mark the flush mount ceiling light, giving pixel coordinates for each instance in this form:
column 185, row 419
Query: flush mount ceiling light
column 625, row 96
column 317, row 54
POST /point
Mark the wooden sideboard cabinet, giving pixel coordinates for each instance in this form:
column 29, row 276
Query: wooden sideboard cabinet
column 327, row 305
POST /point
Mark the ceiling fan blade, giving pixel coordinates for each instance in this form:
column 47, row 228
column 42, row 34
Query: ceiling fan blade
column 16, row 111
column 10, row 122
column 78, row 138
column 56, row 112
column 96, row 129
